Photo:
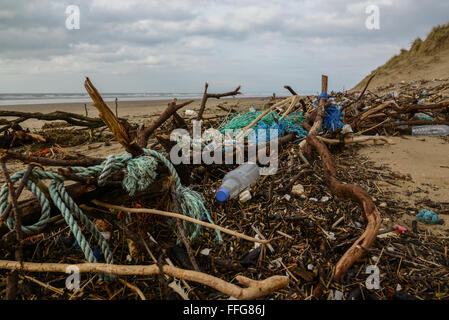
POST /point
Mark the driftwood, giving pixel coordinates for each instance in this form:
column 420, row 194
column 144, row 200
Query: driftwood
column 356, row 121
column 344, row 190
column 88, row 192
column 293, row 92
column 119, row 131
column 84, row 162
column 180, row 216
column 144, row 133
column 71, row 118
column 317, row 115
column 361, row 94
column 83, row 193
column 348, row 191
column 355, row 139
column 22, row 135
column 214, row 95
column 255, row 288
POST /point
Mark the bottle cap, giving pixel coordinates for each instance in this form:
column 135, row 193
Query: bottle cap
column 222, row 194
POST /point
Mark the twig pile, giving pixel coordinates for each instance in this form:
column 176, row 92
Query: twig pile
column 306, row 245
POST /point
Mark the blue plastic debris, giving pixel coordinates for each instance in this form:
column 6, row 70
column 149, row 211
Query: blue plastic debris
column 332, row 120
column 96, row 251
column 428, row 216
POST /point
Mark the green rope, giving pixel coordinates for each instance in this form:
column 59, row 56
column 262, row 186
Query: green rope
column 140, row 174
column 291, row 123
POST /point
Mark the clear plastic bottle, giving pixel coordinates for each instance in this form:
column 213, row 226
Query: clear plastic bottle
column 431, row 130
column 238, row 180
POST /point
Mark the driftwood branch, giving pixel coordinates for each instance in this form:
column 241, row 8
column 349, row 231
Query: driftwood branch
column 179, row 216
column 344, row 190
column 214, row 95
column 255, row 288
column 144, row 133
column 84, row 162
column 361, row 94
column 357, row 120
column 112, row 121
column 71, row 118
column 356, row 193
column 293, row 92
column 356, row 139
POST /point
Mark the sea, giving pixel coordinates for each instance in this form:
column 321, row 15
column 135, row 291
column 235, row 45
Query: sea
column 9, row 99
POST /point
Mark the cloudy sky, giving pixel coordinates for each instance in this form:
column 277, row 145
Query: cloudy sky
column 175, row 46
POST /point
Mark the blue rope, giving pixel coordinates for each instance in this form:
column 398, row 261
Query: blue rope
column 332, row 119
column 140, row 174
column 428, row 216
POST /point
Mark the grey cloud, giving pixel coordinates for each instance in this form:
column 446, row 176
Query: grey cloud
column 262, row 43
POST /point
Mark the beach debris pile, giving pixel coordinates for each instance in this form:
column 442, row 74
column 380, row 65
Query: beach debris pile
column 313, row 230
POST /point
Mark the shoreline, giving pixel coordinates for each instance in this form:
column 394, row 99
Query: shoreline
column 136, row 111
column 109, row 98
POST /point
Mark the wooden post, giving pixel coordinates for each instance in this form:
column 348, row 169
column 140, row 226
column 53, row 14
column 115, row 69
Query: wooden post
column 116, row 107
column 85, row 108
column 323, row 84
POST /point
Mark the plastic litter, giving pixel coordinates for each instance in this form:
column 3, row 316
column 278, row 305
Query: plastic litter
column 399, row 229
column 191, row 113
column 237, row 180
column 298, row 189
column 431, row 130
column 428, row 216
column 245, row 196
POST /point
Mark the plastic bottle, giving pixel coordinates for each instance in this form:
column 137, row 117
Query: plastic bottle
column 431, row 130
column 238, row 180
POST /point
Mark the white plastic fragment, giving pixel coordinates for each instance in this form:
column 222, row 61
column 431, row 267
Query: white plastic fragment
column 298, row 189
column 256, row 244
column 324, row 199
column 205, row 252
column 337, row 295
column 346, row 129
column 245, row 196
column 277, row 263
column 331, row 236
column 106, row 235
column 191, row 113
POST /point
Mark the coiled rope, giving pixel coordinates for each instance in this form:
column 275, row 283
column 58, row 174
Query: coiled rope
column 140, row 174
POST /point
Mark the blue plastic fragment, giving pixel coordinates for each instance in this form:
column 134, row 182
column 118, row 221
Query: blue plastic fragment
column 332, row 120
column 428, row 216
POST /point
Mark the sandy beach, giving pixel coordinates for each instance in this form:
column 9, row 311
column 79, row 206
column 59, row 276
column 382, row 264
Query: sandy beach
column 135, row 111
